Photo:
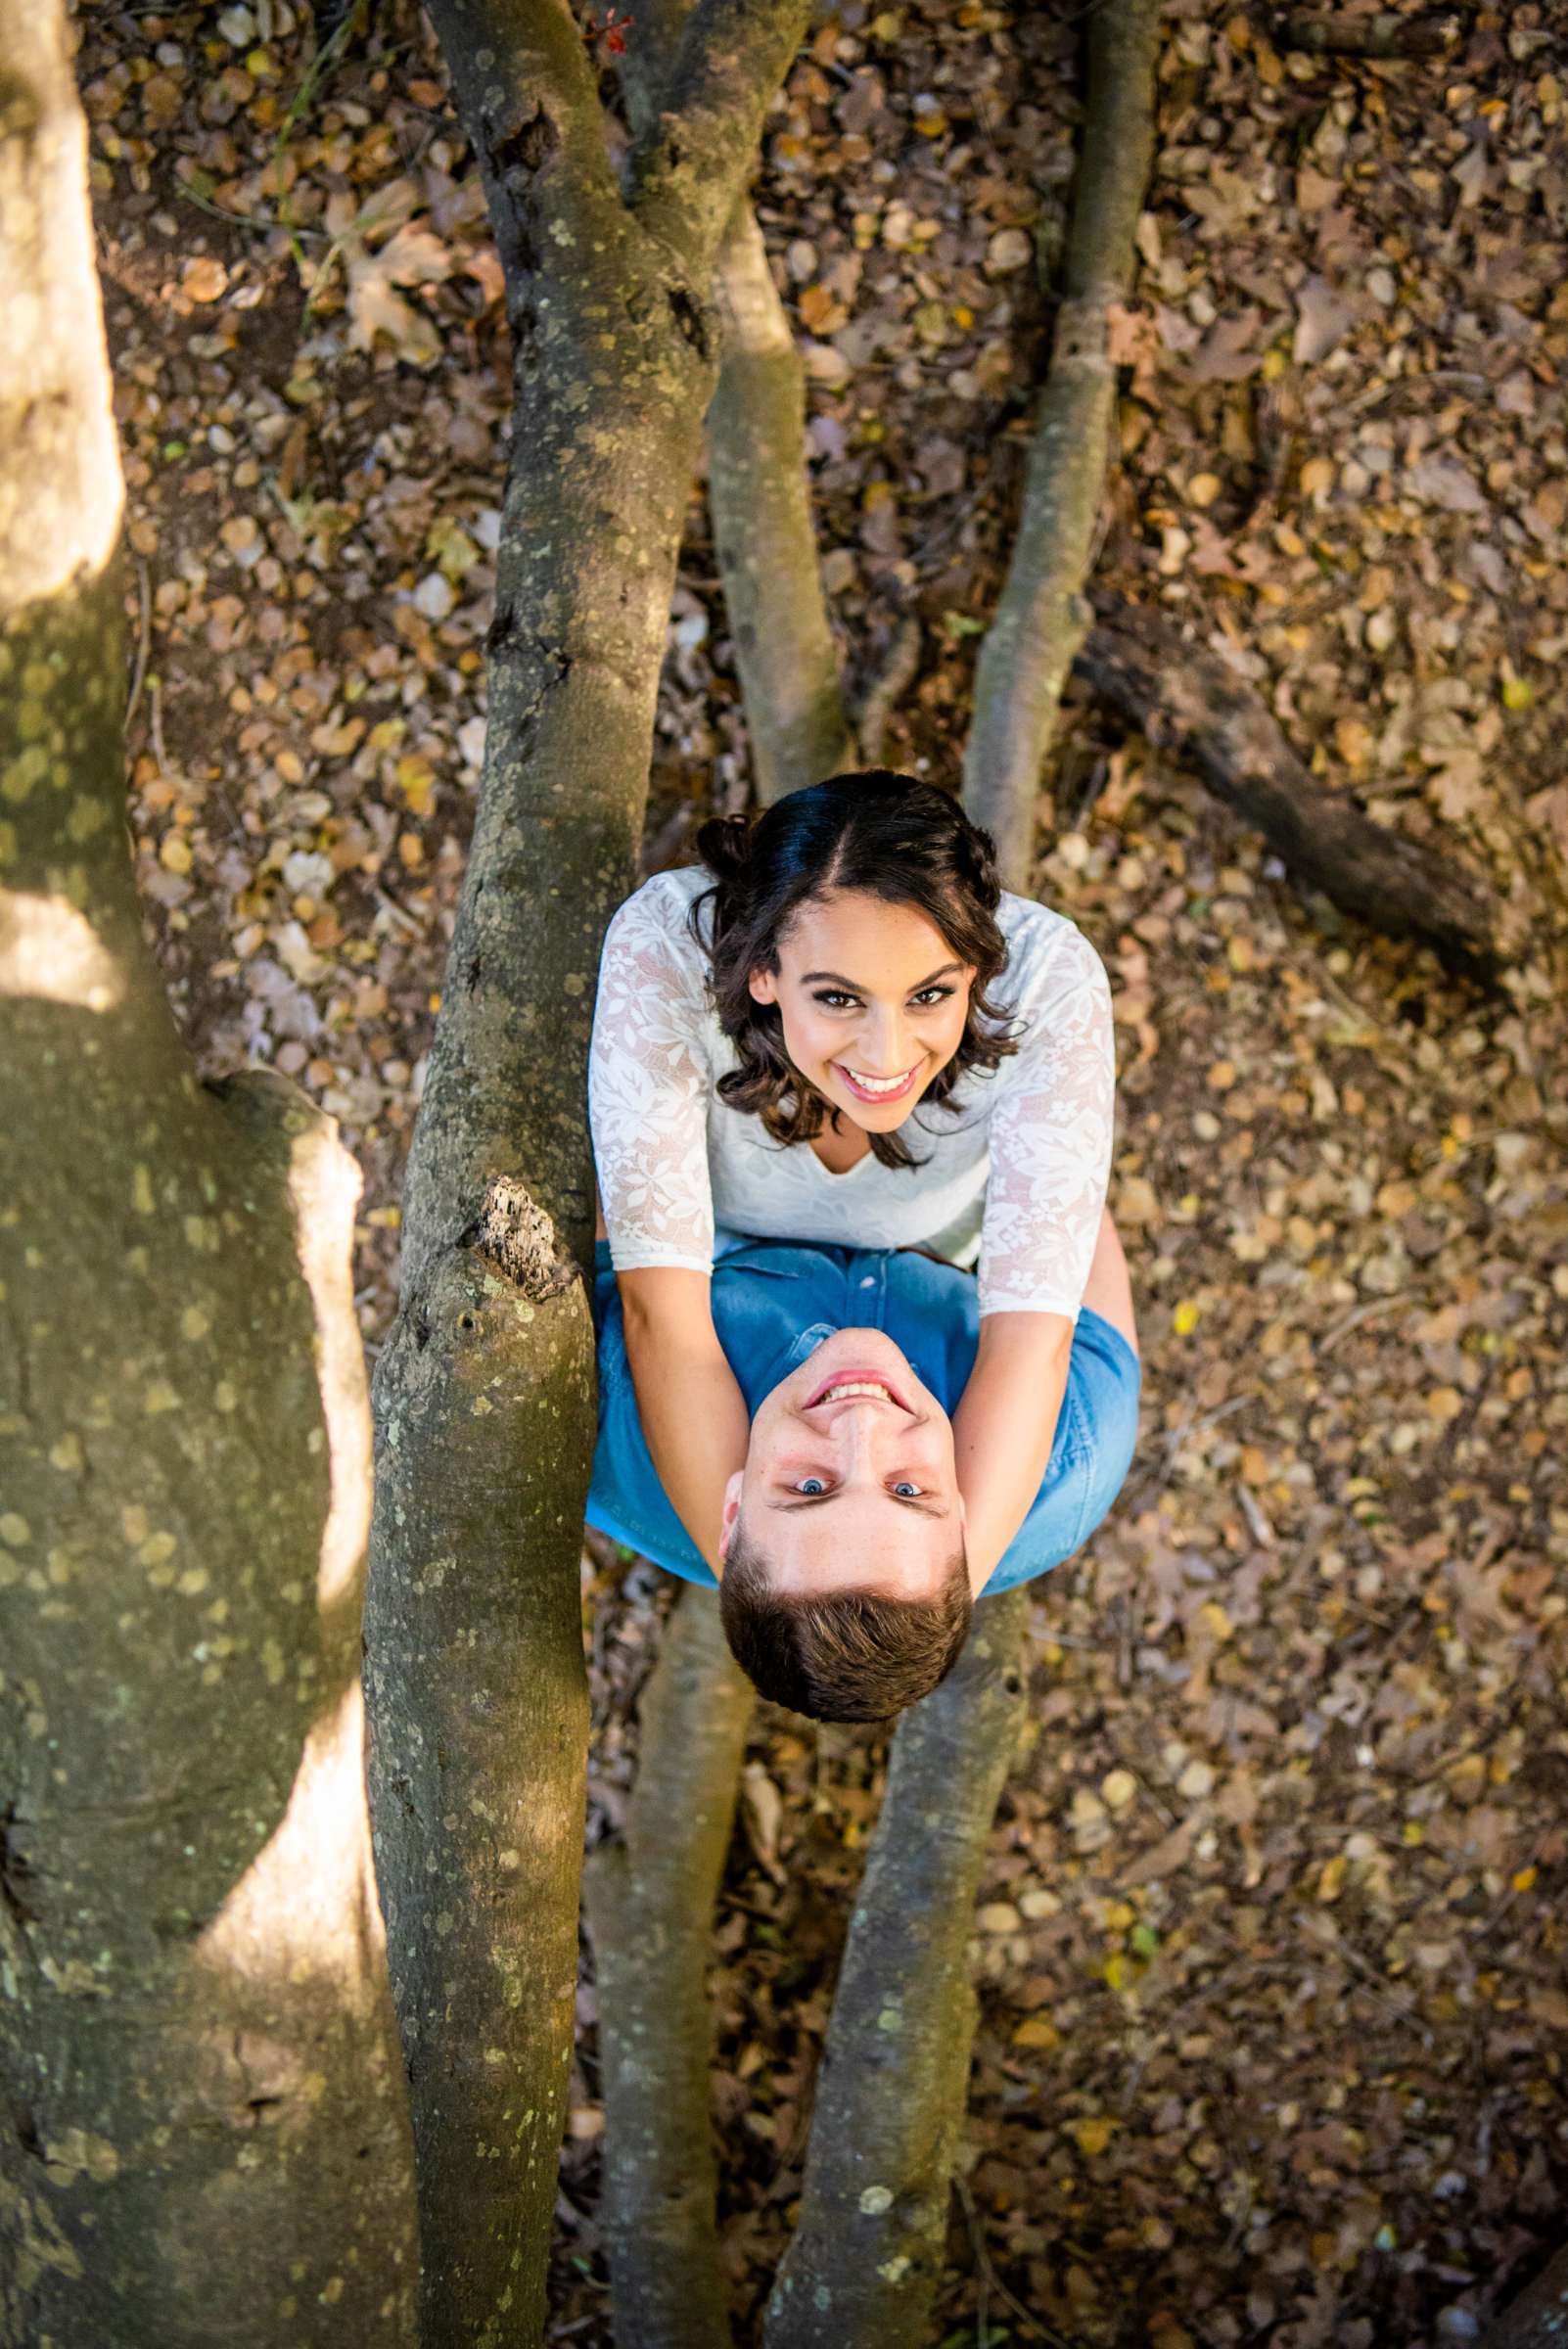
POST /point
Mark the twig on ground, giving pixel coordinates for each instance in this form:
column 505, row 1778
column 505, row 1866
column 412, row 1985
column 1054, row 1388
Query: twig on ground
column 1387, row 34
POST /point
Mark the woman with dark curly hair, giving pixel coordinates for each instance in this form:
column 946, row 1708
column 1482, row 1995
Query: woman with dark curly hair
column 840, row 1032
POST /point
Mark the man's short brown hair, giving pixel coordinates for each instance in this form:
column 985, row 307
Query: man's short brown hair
column 852, row 1655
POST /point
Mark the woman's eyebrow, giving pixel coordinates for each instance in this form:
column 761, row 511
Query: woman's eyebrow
column 855, row 987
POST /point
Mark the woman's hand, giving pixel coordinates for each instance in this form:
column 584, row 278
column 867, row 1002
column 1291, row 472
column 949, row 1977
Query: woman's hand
column 694, row 1417
column 1004, row 1427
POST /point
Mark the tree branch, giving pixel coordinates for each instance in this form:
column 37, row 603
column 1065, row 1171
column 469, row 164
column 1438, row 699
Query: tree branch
column 692, row 158
column 1538, row 2317
column 1184, row 699
column 867, row 2254
column 650, row 1903
column 484, row 1391
column 758, row 494
column 1041, row 615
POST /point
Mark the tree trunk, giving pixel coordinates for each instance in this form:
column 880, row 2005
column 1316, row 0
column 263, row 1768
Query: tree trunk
column 867, row 2253
column 650, row 1901
column 485, row 1390
column 202, row 2134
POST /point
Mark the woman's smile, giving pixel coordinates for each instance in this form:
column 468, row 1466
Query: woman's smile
column 877, row 1090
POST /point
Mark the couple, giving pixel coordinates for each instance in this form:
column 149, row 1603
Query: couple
column 833, row 1065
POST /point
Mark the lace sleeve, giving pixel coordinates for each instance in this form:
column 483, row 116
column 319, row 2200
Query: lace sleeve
column 648, row 1088
column 1050, row 1143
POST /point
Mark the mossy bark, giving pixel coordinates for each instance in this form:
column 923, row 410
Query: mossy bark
column 484, row 1396
column 202, row 2134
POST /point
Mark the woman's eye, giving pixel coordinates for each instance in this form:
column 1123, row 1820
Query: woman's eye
column 832, row 998
column 929, row 997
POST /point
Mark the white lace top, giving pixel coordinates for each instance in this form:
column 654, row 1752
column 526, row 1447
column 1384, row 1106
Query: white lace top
column 1016, row 1174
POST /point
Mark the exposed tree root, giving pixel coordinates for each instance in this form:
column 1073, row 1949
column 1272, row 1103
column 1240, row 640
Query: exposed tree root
column 1183, row 697
column 650, row 1903
column 867, row 2254
column 1042, row 615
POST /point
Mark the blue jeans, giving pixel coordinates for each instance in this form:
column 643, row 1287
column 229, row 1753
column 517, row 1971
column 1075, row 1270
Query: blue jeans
column 774, row 1302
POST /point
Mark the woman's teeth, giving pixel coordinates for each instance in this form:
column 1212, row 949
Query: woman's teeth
column 878, row 1085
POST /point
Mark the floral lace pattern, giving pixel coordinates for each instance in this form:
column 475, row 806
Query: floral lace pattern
column 1017, row 1173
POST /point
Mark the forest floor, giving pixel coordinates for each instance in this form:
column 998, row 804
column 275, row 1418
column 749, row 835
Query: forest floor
column 1273, row 1945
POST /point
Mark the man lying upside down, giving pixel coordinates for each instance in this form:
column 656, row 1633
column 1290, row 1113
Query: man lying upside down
column 843, row 1578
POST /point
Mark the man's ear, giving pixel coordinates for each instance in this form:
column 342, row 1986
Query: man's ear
column 732, row 1502
column 763, row 986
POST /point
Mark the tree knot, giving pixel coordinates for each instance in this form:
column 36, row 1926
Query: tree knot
column 513, row 1232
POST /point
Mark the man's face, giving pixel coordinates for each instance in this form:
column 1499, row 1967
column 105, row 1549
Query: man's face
column 849, row 1489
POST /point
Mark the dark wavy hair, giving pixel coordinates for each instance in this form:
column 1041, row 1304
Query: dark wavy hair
column 878, row 831
column 852, row 1655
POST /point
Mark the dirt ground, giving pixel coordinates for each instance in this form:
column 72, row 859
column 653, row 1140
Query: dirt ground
column 1272, row 1949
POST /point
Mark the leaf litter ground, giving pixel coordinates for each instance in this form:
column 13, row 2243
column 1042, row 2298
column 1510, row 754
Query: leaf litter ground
column 1271, row 1950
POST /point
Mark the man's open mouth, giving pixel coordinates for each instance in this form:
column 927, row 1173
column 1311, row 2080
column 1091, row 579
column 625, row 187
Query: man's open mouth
column 843, row 1383
column 878, row 1088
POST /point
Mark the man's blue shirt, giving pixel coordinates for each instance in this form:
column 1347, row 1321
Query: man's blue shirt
column 774, row 1302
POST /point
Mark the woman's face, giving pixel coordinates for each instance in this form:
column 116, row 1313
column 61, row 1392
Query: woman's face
column 867, row 992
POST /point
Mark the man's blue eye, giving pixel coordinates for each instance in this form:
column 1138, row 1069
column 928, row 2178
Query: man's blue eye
column 905, row 1489
column 807, row 1481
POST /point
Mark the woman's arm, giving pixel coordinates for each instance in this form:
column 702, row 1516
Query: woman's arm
column 1004, row 1427
column 694, row 1416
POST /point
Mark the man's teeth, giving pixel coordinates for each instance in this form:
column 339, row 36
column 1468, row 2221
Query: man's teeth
column 859, row 1386
column 880, row 1084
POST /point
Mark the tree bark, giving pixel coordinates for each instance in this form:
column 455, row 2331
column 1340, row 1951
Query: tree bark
column 202, row 2127
column 867, row 2253
column 650, row 1901
column 759, row 492
column 485, row 1390
column 1041, row 614
column 1538, row 2317
column 1184, row 699
column 759, row 495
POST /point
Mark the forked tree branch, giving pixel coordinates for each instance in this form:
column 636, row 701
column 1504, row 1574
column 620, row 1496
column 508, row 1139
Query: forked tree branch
column 484, row 1390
